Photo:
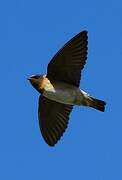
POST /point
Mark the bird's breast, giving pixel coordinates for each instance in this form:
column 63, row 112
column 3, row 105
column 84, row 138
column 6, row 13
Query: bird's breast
column 61, row 92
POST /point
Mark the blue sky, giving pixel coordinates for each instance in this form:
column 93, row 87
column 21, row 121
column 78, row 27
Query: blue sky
column 31, row 32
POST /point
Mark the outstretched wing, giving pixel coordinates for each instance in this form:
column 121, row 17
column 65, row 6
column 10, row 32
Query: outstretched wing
column 53, row 119
column 67, row 64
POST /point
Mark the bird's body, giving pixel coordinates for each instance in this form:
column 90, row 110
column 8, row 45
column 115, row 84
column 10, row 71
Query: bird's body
column 63, row 93
column 60, row 89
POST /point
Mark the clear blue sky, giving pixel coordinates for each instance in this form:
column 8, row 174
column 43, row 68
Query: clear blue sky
column 31, row 32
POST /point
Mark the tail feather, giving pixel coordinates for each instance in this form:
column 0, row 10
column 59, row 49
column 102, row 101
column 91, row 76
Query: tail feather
column 97, row 104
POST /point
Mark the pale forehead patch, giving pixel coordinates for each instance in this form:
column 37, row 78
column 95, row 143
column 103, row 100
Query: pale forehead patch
column 33, row 75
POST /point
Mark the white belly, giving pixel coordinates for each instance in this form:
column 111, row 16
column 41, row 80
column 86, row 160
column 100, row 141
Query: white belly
column 63, row 93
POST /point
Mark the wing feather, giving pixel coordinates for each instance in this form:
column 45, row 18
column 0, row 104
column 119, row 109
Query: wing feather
column 69, row 59
column 53, row 119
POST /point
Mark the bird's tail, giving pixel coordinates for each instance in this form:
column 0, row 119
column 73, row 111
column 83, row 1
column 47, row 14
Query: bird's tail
column 97, row 104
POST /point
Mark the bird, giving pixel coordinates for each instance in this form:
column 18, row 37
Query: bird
column 59, row 89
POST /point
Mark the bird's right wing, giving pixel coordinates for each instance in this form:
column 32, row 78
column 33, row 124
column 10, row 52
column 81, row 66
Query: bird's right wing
column 68, row 62
column 53, row 119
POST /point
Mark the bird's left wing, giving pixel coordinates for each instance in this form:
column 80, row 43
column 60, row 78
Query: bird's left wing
column 68, row 62
column 53, row 119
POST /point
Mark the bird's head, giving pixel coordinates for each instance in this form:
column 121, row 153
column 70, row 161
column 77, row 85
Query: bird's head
column 37, row 81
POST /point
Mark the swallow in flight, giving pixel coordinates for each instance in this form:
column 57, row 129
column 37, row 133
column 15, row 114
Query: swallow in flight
column 59, row 89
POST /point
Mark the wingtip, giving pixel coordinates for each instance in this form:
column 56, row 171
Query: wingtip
column 85, row 31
